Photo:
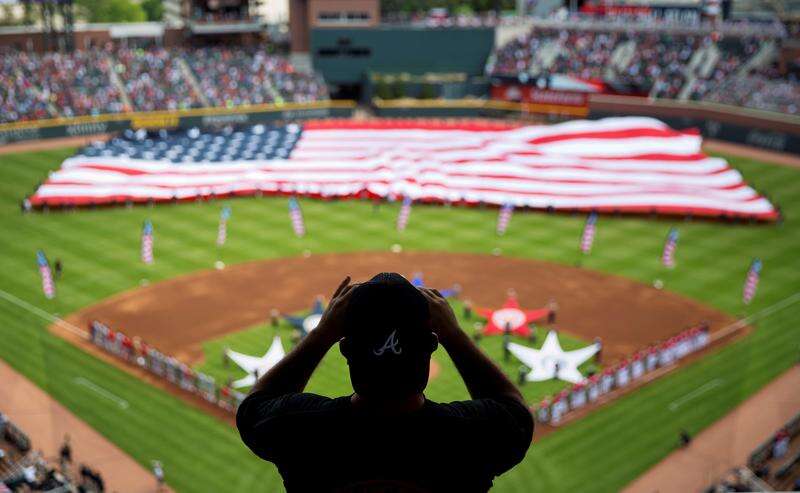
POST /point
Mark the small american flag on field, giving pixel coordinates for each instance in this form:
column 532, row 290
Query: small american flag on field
column 751, row 282
column 668, row 257
column 296, row 215
column 48, row 286
column 504, row 218
column 588, row 233
column 222, row 233
column 405, row 211
column 147, row 242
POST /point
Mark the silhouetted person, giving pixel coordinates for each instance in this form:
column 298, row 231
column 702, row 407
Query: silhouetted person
column 685, row 438
column 57, row 267
column 386, row 436
column 65, row 454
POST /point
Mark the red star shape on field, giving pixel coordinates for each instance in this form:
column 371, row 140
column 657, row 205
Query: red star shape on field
column 511, row 315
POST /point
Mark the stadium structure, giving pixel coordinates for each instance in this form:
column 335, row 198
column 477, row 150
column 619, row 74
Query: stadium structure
column 606, row 191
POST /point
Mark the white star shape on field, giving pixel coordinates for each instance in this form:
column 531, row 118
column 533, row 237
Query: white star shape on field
column 542, row 362
column 253, row 365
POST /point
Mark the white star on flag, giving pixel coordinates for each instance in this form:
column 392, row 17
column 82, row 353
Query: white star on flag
column 252, row 364
column 542, row 362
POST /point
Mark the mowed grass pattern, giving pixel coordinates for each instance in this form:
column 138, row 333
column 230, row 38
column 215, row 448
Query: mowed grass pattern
column 100, row 252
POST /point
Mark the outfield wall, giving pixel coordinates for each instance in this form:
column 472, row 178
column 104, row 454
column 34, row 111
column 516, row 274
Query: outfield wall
column 764, row 129
column 198, row 117
column 756, row 128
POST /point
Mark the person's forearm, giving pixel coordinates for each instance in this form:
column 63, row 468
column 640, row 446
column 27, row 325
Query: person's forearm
column 482, row 377
column 292, row 373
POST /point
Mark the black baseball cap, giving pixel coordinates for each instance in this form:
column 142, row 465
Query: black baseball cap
column 387, row 321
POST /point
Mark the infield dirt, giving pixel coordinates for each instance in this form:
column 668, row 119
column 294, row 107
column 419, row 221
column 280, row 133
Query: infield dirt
column 179, row 314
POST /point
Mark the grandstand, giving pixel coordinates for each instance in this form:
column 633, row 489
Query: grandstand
column 23, row 469
column 95, row 81
column 773, row 466
column 657, row 61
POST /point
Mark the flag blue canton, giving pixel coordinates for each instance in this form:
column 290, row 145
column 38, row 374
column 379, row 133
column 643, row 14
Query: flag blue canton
column 259, row 142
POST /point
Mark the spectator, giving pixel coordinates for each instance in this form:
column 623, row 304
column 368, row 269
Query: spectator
column 386, row 435
column 65, row 454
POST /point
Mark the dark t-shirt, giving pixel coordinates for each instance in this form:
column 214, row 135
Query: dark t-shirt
column 323, row 444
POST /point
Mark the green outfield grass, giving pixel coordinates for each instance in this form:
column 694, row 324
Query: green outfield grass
column 603, row 452
column 331, row 376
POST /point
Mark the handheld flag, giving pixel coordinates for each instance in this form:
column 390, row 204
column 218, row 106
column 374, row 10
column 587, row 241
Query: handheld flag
column 147, row 242
column 405, row 211
column 668, row 257
column 589, row 231
column 48, row 286
column 504, row 218
column 222, row 233
column 296, row 215
column 751, row 281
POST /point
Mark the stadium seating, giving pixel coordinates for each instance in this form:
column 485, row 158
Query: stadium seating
column 41, row 86
column 90, row 82
column 241, row 76
column 656, row 62
column 24, row 470
column 773, row 465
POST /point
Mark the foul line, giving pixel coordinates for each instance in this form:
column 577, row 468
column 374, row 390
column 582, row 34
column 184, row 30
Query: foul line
column 740, row 324
column 696, row 392
column 43, row 314
column 122, row 403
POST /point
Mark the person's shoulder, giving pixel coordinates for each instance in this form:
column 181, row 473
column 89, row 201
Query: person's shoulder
column 263, row 403
column 481, row 408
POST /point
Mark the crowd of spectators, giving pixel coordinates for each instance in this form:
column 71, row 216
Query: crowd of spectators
column 733, row 53
column 94, row 81
column 23, row 469
column 760, row 92
column 154, row 80
column 54, row 84
column 242, row 76
column 658, row 65
column 659, row 58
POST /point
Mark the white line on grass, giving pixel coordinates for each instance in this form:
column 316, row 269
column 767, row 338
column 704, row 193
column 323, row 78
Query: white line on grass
column 696, row 392
column 122, row 403
column 740, row 324
column 43, row 314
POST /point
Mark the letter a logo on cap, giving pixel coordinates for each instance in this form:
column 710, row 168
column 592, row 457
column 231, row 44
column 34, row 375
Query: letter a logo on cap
column 391, row 344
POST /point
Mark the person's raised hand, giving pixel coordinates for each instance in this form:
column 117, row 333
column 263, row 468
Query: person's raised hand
column 443, row 320
column 332, row 322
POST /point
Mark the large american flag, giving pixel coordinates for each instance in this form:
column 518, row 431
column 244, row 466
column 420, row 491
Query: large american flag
column 668, row 255
column 147, row 242
column 751, row 281
column 48, row 286
column 629, row 164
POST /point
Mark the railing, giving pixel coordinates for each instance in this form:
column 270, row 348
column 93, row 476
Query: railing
column 640, row 367
column 169, row 369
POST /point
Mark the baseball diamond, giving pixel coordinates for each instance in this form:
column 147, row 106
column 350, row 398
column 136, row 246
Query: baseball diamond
column 564, row 234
